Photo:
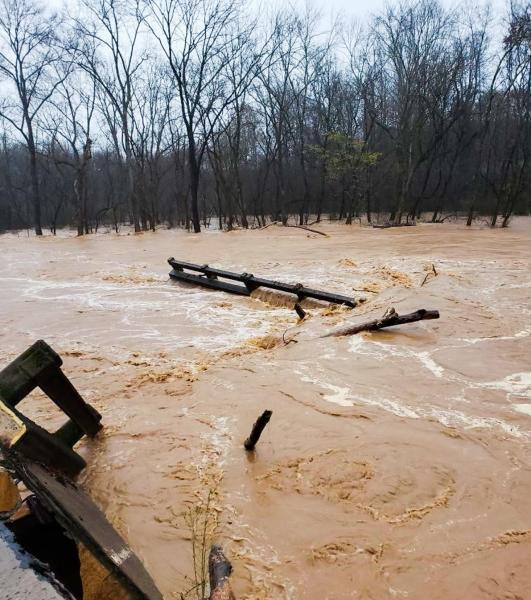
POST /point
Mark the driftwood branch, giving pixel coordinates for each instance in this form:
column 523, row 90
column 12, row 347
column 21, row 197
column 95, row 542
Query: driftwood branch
column 256, row 432
column 389, row 319
column 432, row 272
column 309, row 229
column 305, row 227
column 219, row 570
column 269, row 225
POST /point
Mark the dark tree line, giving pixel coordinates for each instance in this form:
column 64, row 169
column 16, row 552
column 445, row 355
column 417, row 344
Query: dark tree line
column 195, row 113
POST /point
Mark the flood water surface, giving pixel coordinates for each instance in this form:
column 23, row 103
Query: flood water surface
column 396, row 463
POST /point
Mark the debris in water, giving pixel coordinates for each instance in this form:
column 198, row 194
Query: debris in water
column 256, row 432
column 219, row 569
column 58, row 512
column 347, row 262
column 389, row 319
column 300, row 311
column 213, row 278
column 393, row 276
column 431, row 272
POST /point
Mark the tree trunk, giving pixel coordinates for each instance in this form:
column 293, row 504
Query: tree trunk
column 133, row 199
column 129, row 165
column 35, row 192
column 241, row 203
column 343, row 198
column 508, row 212
column 194, row 169
column 80, row 189
column 368, row 198
column 470, row 217
column 495, row 214
column 322, row 189
column 306, row 194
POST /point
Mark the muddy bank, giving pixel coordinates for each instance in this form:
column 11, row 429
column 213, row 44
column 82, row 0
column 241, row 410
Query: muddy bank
column 396, row 464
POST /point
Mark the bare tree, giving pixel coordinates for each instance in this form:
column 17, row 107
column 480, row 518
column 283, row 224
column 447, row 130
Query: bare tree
column 200, row 38
column 150, row 141
column 28, row 54
column 412, row 40
column 107, row 46
column 276, row 100
column 69, row 126
column 420, row 110
column 509, row 145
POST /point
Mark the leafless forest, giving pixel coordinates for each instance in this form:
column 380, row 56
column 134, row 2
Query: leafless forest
column 204, row 113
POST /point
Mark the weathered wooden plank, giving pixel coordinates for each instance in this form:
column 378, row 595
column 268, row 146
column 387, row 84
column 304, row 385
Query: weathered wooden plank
column 250, row 282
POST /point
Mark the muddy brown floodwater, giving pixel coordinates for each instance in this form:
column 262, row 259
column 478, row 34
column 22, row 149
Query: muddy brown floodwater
column 396, row 464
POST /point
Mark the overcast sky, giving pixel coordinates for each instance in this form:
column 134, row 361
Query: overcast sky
column 360, row 9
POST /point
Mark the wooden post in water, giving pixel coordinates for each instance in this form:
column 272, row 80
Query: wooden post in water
column 256, row 432
column 300, row 311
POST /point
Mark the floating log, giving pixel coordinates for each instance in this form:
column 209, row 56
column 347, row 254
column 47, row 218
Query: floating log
column 389, row 319
column 212, row 278
column 219, row 569
column 256, row 432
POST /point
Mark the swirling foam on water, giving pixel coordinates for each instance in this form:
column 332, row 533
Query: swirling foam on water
column 191, row 316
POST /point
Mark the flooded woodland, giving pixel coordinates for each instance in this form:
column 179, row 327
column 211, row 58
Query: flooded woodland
column 396, row 463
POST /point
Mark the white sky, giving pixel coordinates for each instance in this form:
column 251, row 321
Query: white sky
column 362, row 8
column 359, row 9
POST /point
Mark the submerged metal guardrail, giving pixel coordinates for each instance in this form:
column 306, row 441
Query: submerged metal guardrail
column 213, row 278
